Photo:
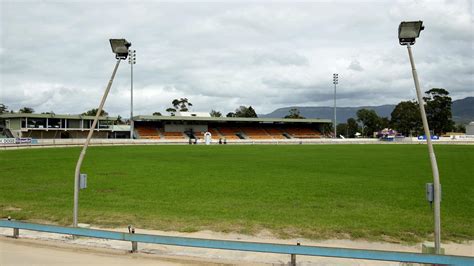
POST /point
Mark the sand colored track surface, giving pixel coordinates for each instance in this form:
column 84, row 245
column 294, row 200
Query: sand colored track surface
column 16, row 252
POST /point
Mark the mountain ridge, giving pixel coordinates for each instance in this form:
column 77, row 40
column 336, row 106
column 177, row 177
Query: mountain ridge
column 462, row 109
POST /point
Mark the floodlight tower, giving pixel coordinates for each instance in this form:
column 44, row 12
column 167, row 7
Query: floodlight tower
column 408, row 31
column 335, row 81
column 120, row 49
column 132, row 59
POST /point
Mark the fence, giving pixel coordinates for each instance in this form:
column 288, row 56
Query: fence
column 243, row 246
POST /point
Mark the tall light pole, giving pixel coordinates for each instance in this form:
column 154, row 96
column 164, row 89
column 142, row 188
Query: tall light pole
column 132, row 59
column 407, row 34
column 120, row 48
column 335, row 81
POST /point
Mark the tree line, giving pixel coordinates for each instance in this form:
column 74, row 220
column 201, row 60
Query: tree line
column 24, row 110
column 183, row 104
column 405, row 117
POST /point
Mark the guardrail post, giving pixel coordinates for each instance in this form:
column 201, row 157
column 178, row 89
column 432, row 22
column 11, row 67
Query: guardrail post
column 131, row 230
column 293, row 257
column 16, row 231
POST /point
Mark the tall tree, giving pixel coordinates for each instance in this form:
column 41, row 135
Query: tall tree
column 26, row 110
column 461, row 128
column 406, row 118
column 384, row 122
column 93, row 112
column 181, row 104
column 215, row 113
column 342, row 129
column 370, row 121
column 243, row 111
column 230, row 114
column 251, row 112
column 438, row 110
column 3, row 108
column 171, row 111
column 294, row 113
column 119, row 120
column 352, row 127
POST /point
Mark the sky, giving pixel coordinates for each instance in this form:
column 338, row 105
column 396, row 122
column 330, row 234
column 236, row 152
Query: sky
column 55, row 55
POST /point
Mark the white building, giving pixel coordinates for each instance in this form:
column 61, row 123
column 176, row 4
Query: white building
column 470, row 129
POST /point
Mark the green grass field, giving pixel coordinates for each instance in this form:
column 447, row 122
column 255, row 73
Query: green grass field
column 317, row 191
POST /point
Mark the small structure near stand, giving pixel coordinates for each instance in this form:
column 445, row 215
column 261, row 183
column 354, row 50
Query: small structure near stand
column 208, row 138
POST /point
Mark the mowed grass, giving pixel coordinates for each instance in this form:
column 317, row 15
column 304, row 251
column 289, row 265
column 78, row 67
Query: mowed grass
column 316, row 191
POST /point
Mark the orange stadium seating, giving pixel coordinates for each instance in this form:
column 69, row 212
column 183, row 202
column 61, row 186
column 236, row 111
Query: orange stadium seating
column 173, row 135
column 214, row 133
column 276, row 133
column 232, row 132
column 229, row 132
column 303, row 133
column 255, row 133
column 147, row 132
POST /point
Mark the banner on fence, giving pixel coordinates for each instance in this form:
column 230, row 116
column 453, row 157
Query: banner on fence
column 18, row 141
column 423, row 137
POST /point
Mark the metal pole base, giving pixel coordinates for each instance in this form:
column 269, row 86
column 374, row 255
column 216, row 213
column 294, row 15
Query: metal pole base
column 134, row 247
column 293, row 257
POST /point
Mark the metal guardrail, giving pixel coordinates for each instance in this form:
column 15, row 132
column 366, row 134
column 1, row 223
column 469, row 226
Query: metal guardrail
column 244, row 246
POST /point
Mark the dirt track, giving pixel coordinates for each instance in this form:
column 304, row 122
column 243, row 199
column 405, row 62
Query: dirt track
column 39, row 252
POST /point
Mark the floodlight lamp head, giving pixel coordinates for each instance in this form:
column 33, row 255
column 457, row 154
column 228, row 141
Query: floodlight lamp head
column 120, row 48
column 408, row 31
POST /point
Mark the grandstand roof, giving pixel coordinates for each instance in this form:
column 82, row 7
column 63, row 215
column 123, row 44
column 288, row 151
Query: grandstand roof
column 21, row 115
column 227, row 119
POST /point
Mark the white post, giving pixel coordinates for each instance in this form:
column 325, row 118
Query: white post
column 335, row 81
column 335, row 123
column 434, row 165
column 131, row 101
column 131, row 61
column 86, row 144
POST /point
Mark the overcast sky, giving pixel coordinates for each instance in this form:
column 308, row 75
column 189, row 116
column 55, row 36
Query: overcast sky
column 55, row 55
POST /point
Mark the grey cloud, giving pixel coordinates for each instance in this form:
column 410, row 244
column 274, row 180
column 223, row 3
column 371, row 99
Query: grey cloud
column 282, row 58
column 220, row 55
column 355, row 65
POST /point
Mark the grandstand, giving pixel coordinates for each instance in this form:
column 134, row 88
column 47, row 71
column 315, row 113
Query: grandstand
column 230, row 128
column 163, row 128
column 56, row 126
column 147, row 132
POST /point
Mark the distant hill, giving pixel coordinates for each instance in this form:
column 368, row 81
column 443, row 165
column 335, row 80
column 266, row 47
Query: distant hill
column 463, row 111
